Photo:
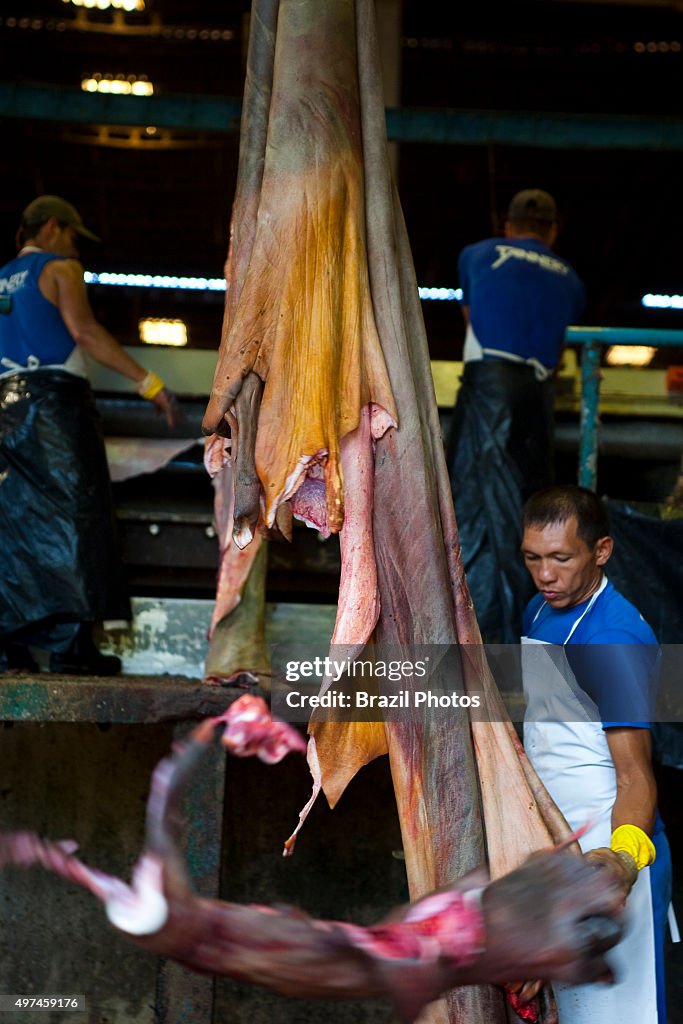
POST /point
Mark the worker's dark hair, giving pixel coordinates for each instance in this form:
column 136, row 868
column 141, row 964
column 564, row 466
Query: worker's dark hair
column 29, row 229
column 558, row 503
column 533, row 226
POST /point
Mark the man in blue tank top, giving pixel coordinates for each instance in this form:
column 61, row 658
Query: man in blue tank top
column 590, row 672
column 60, row 569
column 518, row 299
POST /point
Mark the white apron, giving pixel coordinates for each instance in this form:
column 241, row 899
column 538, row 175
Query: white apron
column 567, row 746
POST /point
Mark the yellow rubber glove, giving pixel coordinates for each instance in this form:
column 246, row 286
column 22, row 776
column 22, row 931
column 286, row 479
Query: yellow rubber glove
column 632, row 840
column 150, row 386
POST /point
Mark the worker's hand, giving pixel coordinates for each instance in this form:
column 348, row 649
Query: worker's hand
column 167, row 403
column 620, row 866
column 553, row 918
column 152, row 388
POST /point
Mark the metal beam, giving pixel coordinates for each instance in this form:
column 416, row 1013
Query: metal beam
column 590, row 400
column 221, row 114
column 660, row 337
column 536, row 129
column 41, row 103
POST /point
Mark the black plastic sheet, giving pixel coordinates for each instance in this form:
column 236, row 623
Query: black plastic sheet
column 499, row 451
column 60, row 553
column 647, row 567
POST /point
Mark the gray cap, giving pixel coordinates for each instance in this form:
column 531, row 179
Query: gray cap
column 533, row 204
column 44, row 207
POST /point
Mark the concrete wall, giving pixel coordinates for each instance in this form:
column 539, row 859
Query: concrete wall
column 90, row 783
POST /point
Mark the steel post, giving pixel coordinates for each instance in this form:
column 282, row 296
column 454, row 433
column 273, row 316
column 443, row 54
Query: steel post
column 589, row 423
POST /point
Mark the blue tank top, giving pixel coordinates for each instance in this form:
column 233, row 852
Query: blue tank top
column 32, row 326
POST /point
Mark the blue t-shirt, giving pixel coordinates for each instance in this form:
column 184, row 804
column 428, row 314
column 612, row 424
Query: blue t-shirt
column 521, row 297
column 33, row 326
column 613, row 653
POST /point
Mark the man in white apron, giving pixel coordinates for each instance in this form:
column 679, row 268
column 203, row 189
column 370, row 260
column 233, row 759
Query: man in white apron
column 590, row 667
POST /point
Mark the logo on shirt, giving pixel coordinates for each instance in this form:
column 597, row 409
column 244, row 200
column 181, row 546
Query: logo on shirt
column 506, row 252
column 13, row 283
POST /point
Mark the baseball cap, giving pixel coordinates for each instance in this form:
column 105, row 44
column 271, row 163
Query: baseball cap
column 44, row 207
column 533, row 203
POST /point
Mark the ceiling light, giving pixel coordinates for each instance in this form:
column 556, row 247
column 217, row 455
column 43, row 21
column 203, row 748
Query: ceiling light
column 156, row 331
column 117, row 85
column 215, row 284
column 441, row 294
column 629, row 355
column 662, row 301
column 103, row 5
column 142, row 88
column 199, row 284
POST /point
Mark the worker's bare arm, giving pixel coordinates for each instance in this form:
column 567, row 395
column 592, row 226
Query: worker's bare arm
column 62, row 283
column 636, row 801
column 634, row 807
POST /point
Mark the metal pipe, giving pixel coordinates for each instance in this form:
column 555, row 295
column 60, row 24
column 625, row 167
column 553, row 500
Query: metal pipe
column 631, row 439
column 591, row 338
column 221, row 114
column 590, row 398
column 659, row 337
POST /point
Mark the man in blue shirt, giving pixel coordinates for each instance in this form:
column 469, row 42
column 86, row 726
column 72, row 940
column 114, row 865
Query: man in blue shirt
column 518, row 299
column 60, row 570
column 590, row 671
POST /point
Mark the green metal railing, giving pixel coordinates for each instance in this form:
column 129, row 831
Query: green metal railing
column 591, row 339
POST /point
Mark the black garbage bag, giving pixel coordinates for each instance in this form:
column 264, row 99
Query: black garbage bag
column 499, row 451
column 60, row 554
column 647, row 567
column 647, row 564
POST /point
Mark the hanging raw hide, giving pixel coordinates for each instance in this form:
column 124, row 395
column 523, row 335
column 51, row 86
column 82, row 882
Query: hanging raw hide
column 323, row 306
column 298, row 308
column 237, row 651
